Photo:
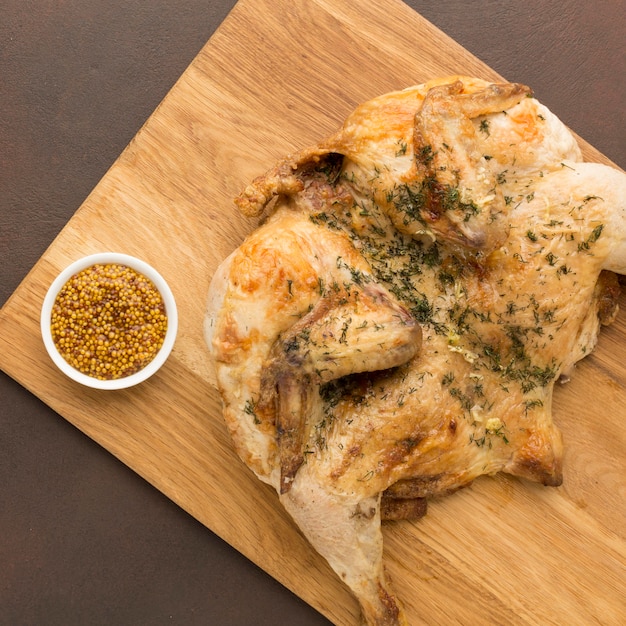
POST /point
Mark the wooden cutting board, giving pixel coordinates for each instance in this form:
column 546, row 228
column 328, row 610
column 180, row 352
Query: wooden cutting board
column 275, row 77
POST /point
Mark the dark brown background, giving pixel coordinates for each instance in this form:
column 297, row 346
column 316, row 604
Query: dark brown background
column 82, row 538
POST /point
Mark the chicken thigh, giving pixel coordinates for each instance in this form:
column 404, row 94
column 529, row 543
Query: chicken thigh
column 395, row 326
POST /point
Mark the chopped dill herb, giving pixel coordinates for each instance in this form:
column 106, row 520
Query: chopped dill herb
column 551, row 259
column 402, row 149
column 447, row 379
column 249, row 409
column 593, row 237
column 425, row 155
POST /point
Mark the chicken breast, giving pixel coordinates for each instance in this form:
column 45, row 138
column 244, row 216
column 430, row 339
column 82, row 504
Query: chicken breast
column 395, row 327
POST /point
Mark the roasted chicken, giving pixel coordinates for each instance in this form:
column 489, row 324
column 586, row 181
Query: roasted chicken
column 395, row 326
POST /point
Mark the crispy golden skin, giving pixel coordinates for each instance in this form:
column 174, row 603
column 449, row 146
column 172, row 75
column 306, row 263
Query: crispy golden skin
column 395, row 327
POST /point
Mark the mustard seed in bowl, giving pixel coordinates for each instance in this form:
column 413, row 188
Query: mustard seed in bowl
column 109, row 321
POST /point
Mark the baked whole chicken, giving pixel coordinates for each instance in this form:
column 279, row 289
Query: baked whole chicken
column 395, row 326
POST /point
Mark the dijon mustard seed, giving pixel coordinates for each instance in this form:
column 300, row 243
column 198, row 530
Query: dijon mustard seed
column 108, row 321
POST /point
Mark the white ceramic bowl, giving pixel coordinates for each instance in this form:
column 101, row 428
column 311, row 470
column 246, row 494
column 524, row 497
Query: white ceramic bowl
column 170, row 310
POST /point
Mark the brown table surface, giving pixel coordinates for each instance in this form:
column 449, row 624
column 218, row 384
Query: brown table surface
column 84, row 540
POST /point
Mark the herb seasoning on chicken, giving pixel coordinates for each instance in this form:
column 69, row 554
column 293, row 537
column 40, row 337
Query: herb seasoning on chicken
column 394, row 328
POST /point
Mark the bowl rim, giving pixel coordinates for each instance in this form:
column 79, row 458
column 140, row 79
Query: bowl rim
column 138, row 265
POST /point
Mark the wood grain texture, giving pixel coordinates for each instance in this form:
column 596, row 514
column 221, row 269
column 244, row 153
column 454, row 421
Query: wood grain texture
column 276, row 77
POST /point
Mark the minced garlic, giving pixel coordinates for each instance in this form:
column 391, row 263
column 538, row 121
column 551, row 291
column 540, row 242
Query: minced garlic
column 493, row 424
